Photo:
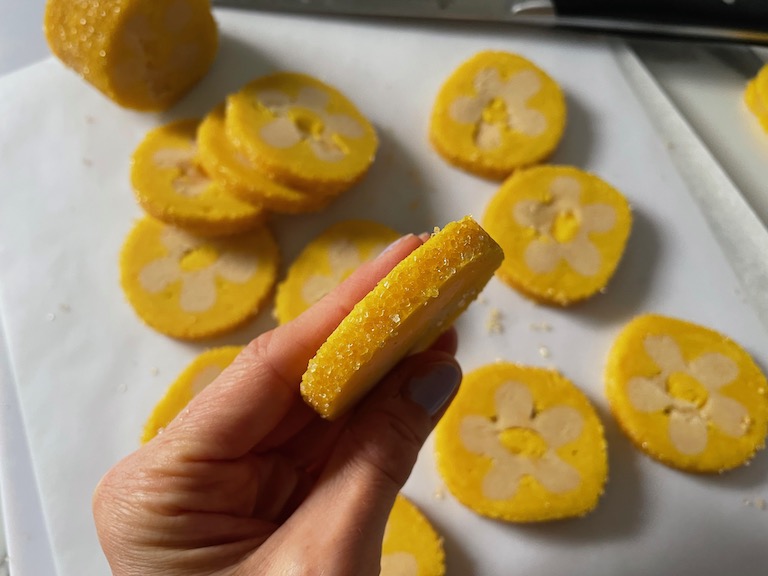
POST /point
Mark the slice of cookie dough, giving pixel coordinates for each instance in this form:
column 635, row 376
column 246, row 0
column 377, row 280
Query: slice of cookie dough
column 406, row 311
column 411, row 546
column 171, row 186
column 496, row 113
column 686, row 395
column 327, row 261
column 143, row 54
column 301, row 132
column 222, row 160
column 563, row 232
column 522, row 444
column 201, row 371
column 191, row 288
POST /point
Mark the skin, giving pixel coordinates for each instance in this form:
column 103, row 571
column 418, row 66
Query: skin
column 249, row 480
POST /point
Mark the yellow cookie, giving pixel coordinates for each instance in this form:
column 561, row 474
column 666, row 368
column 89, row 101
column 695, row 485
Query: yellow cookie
column 143, row 54
column 496, row 113
column 202, row 371
column 301, row 132
column 417, row 301
column 522, row 444
column 686, row 395
column 222, row 160
column 328, row 260
column 191, row 288
column 411, row 546
column 171, row 186
column 563, row 232
column 758, row 105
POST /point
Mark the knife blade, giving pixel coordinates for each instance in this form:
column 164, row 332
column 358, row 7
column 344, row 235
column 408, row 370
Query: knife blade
column 734, row 20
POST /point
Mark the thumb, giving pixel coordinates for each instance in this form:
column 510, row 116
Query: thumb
column 373, row 457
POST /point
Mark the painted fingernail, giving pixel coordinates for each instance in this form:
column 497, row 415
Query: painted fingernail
column 396, row 243
column 434, row 387
column 424, row 236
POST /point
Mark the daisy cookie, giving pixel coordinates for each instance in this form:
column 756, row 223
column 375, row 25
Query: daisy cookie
column 686, row 395
column 522, row 444
column 301, row 132
column 224, row 162
column 171, row 186
column 406, row 311
column 143, row 54
column 497, row 112
column 563, row 232
column 411, row 546
column 191, row 288
column 327, row 261
column 202, row 371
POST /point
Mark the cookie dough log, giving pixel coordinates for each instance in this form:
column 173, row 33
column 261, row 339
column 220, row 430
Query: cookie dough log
column 142, row 54
column 406, row 311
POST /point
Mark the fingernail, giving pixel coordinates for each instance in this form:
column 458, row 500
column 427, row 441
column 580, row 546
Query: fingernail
column 396, row 243
column 433, row 388
column 424, row 236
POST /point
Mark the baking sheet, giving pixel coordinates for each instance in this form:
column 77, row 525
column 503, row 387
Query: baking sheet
column 88, row 372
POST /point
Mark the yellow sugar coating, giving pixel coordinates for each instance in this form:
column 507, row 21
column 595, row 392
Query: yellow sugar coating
column 221, row 159
column 143, row 54
column 522, row 444
column 191, row 288
column 197, row 375
column 170, row 185
column 687, row 395
column 411, row 546
column 301, row 132
column 756, row 99
column 406, row 311
column 496, row 113
column 563, row 232
column 326, row 262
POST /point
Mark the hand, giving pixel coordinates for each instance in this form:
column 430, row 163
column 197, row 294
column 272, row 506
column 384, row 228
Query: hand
column 248, row 480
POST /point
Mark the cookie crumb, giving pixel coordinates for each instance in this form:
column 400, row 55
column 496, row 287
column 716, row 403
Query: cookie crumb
column 544, row 352
column 541, row 327
column 760, row 504
column 50, row 316
column 65, row 307
column 494, row 324
column 155, row 371
column 123, row 387
column 87, row 162
column 439, row 493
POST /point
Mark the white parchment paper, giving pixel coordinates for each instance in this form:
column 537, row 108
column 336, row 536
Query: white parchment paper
column 88, row 372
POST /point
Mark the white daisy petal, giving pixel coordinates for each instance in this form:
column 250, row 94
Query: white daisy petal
column 273, row 98
column 688, row 432
column 280, row 133
column 502, row 480
column 556, row 475
column 326, row 150
column 198, row 291
column 479, row 436
column 542, row 255
column 519, row 88
column 466, row 109
column 728, row 415
column 488, row 83
column 714, row 370
column 559, row 425
column 514, row 405
column 158, row 274
column 646, row 395
column 344, row 125
column 665, row 352
column 235, row 267
column 312, row 98
column 399, row 564
column 526, row 121
column 488, row 136
column 598, row 218
column 583, row 256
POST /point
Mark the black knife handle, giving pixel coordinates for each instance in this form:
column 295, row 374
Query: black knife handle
column 737, row 14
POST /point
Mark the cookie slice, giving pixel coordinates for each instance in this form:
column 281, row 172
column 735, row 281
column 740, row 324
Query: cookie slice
column 143, row 54
column 222, row 160
column 201, row 371
column 522, row 444
column 756, row 97
column 417, row 301
column 496, row 113
column 171, row 186
column 411, row 546
column 687, row 395
column 301, row 132
column 191, row 288
column 327, row 261
column 563, row 232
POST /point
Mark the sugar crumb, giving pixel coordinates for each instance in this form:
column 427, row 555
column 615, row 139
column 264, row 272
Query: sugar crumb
column 760, row 503
column 482, row 300
column 64, row 307
column 155, row 371
column 541, row 327
column 494, row 324
column 122, row 387
column 544, row 352
column 439, row 493
column 50, row 316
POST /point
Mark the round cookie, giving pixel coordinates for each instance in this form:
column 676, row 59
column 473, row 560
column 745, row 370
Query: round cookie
column 143, row 54
column 411, row 546
column 563, row 232
column 192, row 288
column 221, row 159
column 326, row 262
column 406, row 311
column 496, row 113
column 686, row 395
column 170, row 185
column 522, row 444
column 301, row 132
column 201, row 371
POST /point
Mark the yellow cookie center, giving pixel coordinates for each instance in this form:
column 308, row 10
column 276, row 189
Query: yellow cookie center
column 685, row 387
column 307, row 122
column 565, row 226
column 199, row 258
column 523, row 442
column 495, row 112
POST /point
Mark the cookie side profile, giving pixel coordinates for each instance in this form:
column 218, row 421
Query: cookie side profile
column 563, row 232
column 687, row 395
column 522, row 444
column 406, row 311
column 496, row 113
